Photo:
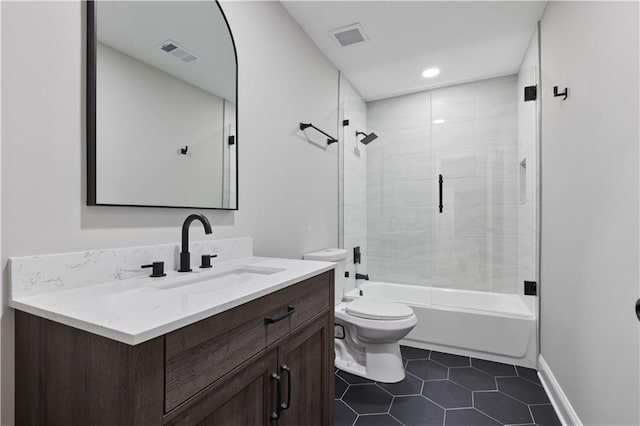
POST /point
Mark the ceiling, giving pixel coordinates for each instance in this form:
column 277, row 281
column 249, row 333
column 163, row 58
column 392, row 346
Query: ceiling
column 466, row 40
column 138, row 28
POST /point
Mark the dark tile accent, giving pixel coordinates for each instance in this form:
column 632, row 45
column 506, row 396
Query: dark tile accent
column 377, row 420
column 529, row 374
column 468, row 417
column 416, row 410
column 450, row 360
column 447, row 394
column 409, row 386
column 494, row 368
column 343, row 415
column 367, row 399
column 545, row 415
column 522, row 390
column 427, row 370
column 341, row 386
column 472, row 379
column 501, row 407
column 499, row 393
column 352, row 379
column 414, row 353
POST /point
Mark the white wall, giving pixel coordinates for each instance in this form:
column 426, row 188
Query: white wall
column 287, row 185
column 144, row 117
column 589, row 244
column 354, row 179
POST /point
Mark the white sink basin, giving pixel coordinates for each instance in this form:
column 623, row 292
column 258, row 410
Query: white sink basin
column 204, row 282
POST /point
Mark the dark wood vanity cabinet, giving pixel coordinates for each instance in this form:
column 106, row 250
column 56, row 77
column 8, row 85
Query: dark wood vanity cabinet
column 267, row 362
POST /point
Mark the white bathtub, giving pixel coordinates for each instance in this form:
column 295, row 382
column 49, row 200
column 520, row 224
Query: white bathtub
column 495, row 326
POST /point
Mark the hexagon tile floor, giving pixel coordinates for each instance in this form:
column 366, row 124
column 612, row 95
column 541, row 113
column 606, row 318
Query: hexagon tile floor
column 444, row 389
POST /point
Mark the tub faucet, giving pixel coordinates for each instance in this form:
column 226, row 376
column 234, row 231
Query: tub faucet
column 185, row 256
column 362, row 277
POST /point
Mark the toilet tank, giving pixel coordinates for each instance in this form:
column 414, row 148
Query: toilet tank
column 339, row 256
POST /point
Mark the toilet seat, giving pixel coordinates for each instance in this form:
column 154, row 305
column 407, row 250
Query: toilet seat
column 378, row 309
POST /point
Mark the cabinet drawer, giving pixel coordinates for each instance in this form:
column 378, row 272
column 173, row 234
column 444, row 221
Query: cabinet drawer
column 201, row 353
column 312, row 298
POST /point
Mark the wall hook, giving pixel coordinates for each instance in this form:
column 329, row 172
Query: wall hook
column 184, row 150
column 556, row 93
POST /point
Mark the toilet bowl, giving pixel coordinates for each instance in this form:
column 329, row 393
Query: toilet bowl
column 367, row 330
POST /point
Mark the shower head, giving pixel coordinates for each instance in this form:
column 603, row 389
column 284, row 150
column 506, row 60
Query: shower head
column 367, row 137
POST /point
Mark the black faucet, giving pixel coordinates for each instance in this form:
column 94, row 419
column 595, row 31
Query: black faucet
column 185, row 256
column 362, row 277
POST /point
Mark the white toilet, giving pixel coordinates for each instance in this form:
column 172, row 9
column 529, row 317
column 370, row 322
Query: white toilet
column 367, row 330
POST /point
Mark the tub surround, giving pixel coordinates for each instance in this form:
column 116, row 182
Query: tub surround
column 105, row 292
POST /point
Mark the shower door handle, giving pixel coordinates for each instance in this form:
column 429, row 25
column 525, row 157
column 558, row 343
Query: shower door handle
column 440, row 181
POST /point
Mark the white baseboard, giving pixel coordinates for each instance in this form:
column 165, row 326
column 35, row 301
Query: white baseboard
column 559, row 400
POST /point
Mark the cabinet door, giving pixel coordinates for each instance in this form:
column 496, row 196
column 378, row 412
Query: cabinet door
column 306, row 370
column 247, row 396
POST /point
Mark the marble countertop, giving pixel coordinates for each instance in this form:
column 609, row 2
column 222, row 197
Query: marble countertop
column 135, row 310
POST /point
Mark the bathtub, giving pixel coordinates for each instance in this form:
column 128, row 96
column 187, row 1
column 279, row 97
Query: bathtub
column 494, row 326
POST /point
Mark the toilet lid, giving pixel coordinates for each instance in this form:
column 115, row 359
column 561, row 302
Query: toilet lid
column 378, row 309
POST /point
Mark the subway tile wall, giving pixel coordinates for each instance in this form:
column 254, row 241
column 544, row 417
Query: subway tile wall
column 469, row 134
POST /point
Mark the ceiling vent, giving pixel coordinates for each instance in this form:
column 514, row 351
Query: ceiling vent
column 174, row 49
column 349, row 35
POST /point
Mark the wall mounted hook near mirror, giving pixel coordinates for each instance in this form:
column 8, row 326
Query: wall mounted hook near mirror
column 330, row 139
column 556, row 93
column 184, row 150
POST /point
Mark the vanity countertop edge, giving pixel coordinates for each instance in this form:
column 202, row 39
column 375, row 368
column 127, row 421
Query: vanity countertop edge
column 96, row 308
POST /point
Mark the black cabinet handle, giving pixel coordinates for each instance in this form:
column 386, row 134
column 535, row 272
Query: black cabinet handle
column 638, row 309
column 440, row 181
column 275, row 415
column 270, row 320
column 286, row 404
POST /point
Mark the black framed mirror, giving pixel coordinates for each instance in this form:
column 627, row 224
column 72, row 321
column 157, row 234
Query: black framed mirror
column 162, row 84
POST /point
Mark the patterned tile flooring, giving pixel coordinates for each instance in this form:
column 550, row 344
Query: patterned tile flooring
column 445, row 389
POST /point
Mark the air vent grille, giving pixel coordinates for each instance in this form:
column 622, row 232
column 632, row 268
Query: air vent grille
column 174, row 49
column 349, row 35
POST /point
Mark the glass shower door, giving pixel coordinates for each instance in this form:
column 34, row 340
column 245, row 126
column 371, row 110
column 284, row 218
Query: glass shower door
column 400, row 191
column 475, row 151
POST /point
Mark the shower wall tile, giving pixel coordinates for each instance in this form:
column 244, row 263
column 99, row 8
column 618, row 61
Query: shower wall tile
column 478, row 191
column 482, row 133
column 406, row 141
column 406, row 193
column 485, row 220
column 400, row 113
column 452, row 109
column 497, row 97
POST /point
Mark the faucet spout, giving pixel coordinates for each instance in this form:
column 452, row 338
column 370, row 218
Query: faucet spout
column 185, row 256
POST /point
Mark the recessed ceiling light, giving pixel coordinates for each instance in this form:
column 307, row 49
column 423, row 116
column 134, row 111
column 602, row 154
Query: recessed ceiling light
column 430, row 72
column 438, row 121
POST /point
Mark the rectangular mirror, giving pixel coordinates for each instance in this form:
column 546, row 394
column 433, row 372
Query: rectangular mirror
column 161, row 105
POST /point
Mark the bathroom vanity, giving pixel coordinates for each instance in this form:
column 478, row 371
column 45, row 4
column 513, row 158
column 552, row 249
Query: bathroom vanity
column 259, row 353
